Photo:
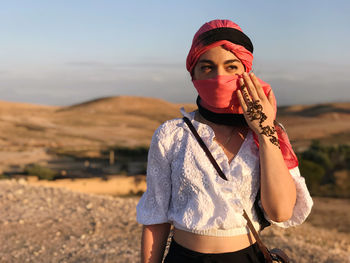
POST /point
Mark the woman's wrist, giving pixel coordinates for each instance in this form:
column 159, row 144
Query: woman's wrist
column 269, row 139
column 263, row 139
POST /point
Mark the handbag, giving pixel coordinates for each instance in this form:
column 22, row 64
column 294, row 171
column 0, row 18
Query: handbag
column 273, row 255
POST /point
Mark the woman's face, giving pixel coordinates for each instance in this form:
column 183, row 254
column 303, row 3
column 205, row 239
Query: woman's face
column 217, row 61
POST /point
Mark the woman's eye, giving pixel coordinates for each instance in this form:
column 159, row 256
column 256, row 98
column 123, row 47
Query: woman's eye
column 206, row 68
column 232, row 67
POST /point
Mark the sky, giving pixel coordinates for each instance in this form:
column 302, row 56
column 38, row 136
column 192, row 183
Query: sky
column 67, row 52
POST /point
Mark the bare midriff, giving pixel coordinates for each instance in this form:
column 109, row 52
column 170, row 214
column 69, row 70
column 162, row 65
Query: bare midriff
column 212, row 244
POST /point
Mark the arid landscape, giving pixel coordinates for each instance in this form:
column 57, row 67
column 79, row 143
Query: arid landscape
column 37, row 133
column 93, row 220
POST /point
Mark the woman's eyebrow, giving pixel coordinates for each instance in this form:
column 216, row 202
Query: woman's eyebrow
column 205, row 61
column 211, row 62
column 231, row 61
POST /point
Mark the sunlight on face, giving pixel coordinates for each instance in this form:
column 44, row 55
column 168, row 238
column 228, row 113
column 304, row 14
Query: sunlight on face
column 217, row 61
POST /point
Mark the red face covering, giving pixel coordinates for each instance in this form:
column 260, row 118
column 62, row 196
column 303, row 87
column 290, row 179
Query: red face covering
column 219, row 94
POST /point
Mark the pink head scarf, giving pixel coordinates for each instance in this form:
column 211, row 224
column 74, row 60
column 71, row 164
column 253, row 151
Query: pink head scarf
column 246, row 57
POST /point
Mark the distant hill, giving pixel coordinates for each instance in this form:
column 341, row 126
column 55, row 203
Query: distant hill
column 29, row 132
column 329, row 123
column 315, row 110
column 127, row 121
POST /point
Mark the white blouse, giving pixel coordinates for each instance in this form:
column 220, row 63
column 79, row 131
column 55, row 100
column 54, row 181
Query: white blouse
column 183, row 187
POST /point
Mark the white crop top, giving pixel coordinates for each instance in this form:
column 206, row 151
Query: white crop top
column 183, row 187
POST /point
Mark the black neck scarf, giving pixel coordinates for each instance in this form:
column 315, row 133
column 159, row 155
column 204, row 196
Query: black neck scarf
column 230, row 119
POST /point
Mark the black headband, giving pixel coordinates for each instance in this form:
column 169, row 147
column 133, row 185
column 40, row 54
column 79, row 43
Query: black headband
column 226, row 33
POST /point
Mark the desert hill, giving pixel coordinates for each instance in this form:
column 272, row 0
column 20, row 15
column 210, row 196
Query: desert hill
column 32, row 132
column 315, row 110
column 122, row 120
column 329, row 123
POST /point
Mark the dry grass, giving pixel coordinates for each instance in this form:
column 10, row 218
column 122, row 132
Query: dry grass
column 331, row 214
column 118, row 185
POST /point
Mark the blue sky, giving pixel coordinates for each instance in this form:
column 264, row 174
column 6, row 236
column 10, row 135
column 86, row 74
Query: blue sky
column 66, row 52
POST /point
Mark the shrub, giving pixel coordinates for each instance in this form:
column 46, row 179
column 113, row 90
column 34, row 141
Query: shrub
column 140, row 151
column 318, row 157
column 43, row 173
column 313, row 174
column 4, row 176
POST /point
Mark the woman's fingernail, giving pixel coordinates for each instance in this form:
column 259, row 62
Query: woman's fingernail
column 251, row 74
column 245, row 74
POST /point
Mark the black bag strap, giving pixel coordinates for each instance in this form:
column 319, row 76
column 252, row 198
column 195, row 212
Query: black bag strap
column 205, row 148
column 261, row 245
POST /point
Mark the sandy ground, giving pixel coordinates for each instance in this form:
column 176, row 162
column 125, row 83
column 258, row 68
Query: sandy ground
column 53, row 224
column 118, row 185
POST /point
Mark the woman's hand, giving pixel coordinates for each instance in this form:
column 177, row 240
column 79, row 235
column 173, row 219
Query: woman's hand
column 278, row 191
column 257, row 108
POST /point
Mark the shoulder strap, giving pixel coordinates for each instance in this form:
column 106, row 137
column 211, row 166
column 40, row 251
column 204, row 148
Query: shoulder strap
column 205, row 148
column 261, row 245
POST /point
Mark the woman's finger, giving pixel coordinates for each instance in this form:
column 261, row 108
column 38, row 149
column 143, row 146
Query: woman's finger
column 244, row 92
column 251, row 87
column 242, row 101
column 271, row 98
column 258, row 86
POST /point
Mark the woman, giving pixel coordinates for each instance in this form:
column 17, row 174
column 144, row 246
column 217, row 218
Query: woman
column 236, row 120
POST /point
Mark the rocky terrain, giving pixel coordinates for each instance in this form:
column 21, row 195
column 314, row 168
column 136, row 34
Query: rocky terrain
column 44, row 224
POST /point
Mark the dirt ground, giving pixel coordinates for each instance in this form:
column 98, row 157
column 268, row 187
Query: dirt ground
column 53, row 224
column 117, row 185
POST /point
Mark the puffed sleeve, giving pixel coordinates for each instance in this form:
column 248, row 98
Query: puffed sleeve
column 303, row 202
column 153, row 205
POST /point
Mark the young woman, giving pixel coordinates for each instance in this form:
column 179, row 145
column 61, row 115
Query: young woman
column 236, row 120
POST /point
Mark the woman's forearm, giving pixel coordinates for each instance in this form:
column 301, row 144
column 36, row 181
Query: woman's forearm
column 278, row 192
column 153, row 242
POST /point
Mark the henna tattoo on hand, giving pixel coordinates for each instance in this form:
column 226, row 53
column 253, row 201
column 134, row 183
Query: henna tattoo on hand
column 254, row 112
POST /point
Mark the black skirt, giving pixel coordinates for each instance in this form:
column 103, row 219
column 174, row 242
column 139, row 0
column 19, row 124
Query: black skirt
column 178, row 253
